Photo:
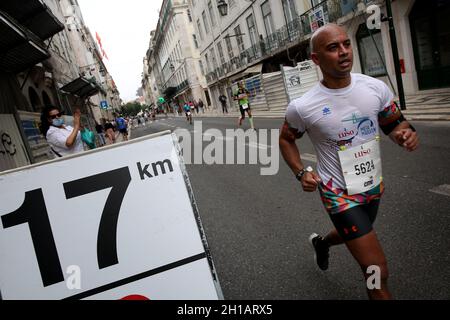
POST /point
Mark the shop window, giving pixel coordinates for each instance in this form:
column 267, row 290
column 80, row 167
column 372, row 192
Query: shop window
column 370, row 44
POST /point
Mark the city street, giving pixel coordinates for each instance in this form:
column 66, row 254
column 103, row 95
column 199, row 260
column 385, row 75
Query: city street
column 257, row 226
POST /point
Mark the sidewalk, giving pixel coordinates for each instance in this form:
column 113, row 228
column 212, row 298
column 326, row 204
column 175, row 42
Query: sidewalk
column 421, row 107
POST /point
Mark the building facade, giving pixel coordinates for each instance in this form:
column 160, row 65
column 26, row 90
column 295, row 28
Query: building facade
column 259, row 36
column 43, row 65
column 173, row 57
column 89, row 60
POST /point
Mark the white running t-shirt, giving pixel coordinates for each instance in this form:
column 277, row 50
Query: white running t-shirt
column 339, row 117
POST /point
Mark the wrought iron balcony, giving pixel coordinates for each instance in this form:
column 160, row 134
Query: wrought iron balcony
column 296, row 30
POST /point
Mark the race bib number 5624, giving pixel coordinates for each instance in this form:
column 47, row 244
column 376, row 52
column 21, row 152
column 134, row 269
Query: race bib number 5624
column 361, row 167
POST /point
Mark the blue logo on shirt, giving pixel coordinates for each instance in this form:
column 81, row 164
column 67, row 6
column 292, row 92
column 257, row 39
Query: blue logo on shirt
column 326, row 111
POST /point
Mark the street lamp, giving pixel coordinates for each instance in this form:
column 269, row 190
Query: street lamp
column 171, row 66
column 223, row 7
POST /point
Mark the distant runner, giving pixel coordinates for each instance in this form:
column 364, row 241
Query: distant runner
column 242, row 95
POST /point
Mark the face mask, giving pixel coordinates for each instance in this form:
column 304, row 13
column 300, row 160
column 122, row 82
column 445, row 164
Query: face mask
column 58, row 122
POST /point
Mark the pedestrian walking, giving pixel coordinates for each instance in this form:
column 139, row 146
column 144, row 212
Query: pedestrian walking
column 188, row 112
column 223, row 101
column 343, row 115
column 242, row 96
column 123, row 127
column 201, row 105
column 100, row 133
column 110, row 134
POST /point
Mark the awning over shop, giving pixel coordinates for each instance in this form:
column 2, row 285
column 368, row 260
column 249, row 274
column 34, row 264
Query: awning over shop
column 82, row 87
column 257, row 68
column 34, row 15
column 170, row 91
column 19, row 49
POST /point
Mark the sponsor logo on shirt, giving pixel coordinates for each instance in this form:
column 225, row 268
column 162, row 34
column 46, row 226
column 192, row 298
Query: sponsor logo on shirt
column 326, row 111
column 346, row 133
column 367, row 128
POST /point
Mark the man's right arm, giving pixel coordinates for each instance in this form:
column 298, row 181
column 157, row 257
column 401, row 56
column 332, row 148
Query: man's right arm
column 291, row 155
column 289, row 149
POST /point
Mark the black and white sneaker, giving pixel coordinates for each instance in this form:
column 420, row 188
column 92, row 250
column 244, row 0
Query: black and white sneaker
column 321, row 251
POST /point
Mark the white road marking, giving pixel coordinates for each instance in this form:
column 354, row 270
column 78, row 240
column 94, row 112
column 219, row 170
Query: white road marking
column 442, row 190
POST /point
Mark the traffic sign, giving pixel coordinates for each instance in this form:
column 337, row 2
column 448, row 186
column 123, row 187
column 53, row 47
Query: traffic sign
column 84, row 228
column 104, row 104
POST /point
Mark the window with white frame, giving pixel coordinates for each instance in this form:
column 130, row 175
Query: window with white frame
column 205, row 22
column 194, row 37
column 252, row 29
column 213, row 58
column 240, row 41
column 267, row 18
column 290, row 13
column 202, row 69
column 220, row 50
column 200, row 31
column 229, row 47
column 208, row 64
column 212, row 15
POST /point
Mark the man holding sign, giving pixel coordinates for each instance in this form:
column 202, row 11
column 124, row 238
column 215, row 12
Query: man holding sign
column 343, row 116
column 242, row 95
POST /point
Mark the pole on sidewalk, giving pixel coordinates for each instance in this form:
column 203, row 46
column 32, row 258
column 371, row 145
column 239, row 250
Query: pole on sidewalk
column 398, row 72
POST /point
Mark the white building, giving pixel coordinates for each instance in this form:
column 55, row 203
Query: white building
column 91, row 68
column 257, row 36
column 173, row 56
column 43, row 63
column 253, row 33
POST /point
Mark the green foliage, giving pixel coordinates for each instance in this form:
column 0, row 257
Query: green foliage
column 131, row 109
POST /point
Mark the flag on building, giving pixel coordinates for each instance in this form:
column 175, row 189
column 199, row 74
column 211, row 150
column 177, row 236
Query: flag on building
column 99, row 40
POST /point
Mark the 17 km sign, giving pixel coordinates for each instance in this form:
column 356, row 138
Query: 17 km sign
column 123, row 219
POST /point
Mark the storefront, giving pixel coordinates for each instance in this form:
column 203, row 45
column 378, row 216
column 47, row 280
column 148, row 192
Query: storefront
column 430, row 32
column 24, row 26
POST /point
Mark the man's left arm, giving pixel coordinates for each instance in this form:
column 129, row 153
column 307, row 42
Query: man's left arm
column 393, row 123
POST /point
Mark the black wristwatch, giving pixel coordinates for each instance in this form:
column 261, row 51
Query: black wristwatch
column 303, row 171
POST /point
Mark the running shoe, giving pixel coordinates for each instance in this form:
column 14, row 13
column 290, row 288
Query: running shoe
column 321, row 251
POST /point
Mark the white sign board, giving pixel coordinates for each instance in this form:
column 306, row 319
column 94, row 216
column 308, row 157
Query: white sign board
column 107, row 224
column 300, row 79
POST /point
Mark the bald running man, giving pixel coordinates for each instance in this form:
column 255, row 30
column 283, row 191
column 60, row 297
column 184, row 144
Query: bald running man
column 343, row 116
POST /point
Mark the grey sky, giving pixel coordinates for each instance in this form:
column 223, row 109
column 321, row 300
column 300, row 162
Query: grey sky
column 124, row 27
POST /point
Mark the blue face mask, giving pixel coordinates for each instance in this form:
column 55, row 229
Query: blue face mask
column 58, row 122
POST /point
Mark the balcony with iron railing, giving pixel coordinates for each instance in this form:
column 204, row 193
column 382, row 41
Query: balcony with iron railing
column 183, row 85
column 299, row 29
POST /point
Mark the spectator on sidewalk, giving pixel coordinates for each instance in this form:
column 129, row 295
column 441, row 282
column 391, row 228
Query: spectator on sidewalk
column 110, row 134
column 201, row 105
column 63, row 139
column 223, row 101
column 101, row 134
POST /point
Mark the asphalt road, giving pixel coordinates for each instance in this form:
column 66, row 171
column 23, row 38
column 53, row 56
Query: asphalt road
column 257, row 226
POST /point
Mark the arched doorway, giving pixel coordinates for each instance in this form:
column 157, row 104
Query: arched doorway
column 46, row 99
column 430, row 31
column 35, row 101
